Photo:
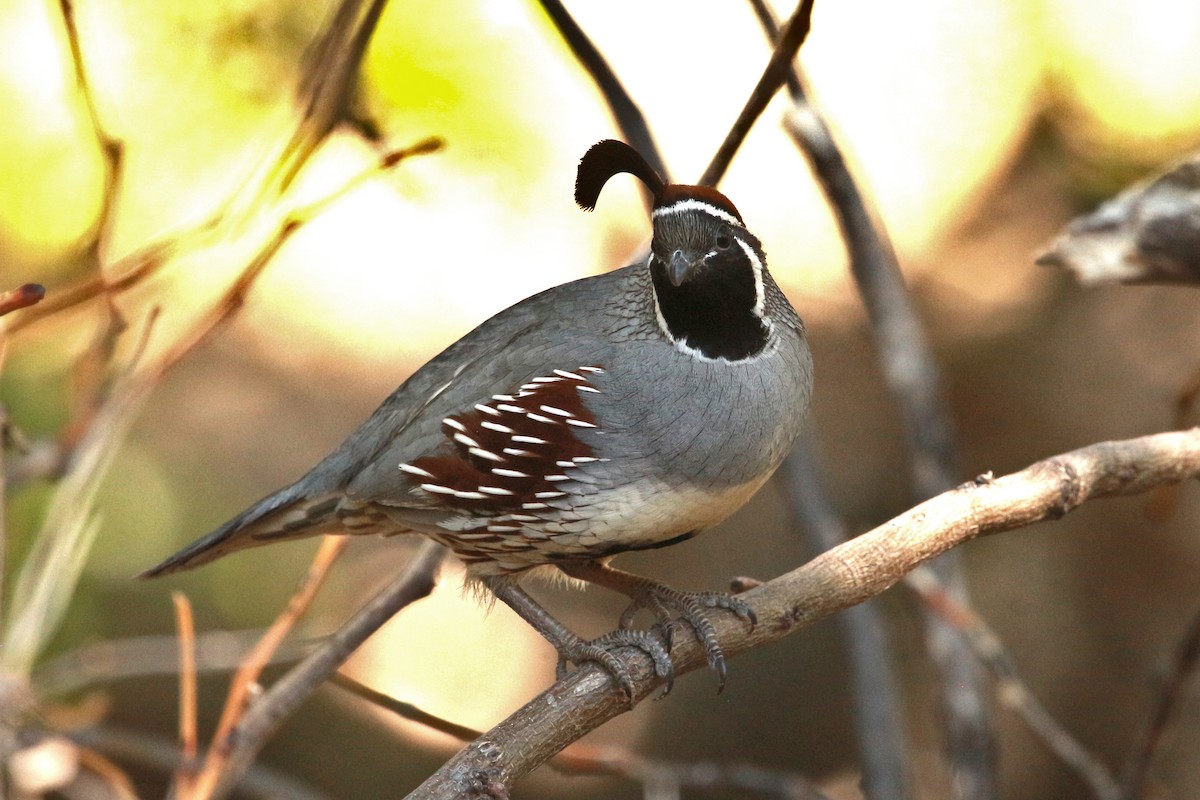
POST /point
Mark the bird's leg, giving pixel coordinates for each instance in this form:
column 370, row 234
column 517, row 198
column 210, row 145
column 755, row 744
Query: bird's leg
column 572, row 648
column 660, row 600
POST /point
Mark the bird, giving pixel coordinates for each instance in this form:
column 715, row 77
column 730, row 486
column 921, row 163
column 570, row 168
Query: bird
column 623, row 411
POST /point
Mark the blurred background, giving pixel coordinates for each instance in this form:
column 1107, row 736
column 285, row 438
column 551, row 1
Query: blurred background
column 978, row 129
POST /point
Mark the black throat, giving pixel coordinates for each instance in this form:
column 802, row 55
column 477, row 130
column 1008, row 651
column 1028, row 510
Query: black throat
column 713, row 313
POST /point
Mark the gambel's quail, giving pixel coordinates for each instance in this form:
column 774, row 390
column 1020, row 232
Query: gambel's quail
column 624, row 411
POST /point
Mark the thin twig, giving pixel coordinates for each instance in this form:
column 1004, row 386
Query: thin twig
column 578, row 759
column 402, row 709
column 245, row 682
column 837, row 579
column 112, row 775
column 913, row 379
column 328, row 83
column 912, row 376
column 879, row 719
column 629, row 117
column 793, row 35
column 140, row 656
column 1187, row 656
column 1013, row 691
column 278, row 702
column 187, row 688
column 23, row 296
column 128, row 272
column 111, row 149
column 260, row 782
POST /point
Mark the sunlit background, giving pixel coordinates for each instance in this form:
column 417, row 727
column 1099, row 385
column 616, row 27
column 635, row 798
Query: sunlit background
column 977, row 127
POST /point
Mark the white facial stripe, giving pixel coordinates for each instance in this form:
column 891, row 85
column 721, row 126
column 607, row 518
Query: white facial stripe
column 692, row 204
column 757, row 265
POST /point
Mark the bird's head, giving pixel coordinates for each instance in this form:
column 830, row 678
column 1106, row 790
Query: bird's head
column 709, row 272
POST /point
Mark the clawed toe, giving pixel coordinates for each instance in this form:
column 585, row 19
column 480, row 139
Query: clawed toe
column 660, row 600
column 601, row 651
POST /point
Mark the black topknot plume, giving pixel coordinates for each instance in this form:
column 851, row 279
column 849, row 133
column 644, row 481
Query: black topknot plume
column 605, row 159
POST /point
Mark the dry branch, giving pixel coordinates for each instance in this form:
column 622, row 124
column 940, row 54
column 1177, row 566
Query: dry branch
column 1183, row 666
column 277, row 703
column 794, row 32
column 245, row 682
column 22, row 297
column 578, row 759
column 628, row 116
column 1013, row 691
column 849, row 574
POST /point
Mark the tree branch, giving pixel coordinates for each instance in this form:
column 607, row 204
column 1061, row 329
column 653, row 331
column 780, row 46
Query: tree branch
column 629, row 117
column 278, row 702
column 794, row 33
column 913, row 379
column 842, row 577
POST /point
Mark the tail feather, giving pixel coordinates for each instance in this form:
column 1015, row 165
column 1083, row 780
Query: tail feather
column 287, row 514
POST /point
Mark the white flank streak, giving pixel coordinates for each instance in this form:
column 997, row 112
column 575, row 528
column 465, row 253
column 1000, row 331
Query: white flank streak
column 558, row 411
column 533, row 506
column 514, row 451
column 511, row 408
column 494, row 490
column 587, row 389
column 435, row 489
column 508, row 473
column 462, row 438
column 488, row 454
column 564, row 464
column 453, row 423
column 487, row 409
column 562, row 373
column 504, row 528
column 548, row 495
column 411, row 470
column 538, row 417
column 757, row 265
column 470, row 495
column 504, row 398
column 546, row 379
column 584, row 459
column 555, row 478
column 495, row 426
column 522, row 517
column 578, row 423
column 692, row 204
column 592, row 369
column 528, row 439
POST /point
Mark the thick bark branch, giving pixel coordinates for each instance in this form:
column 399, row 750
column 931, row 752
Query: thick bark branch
column 842, row 577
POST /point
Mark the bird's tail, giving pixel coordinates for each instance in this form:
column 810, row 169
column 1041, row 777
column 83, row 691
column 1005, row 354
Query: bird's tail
column 287, row 514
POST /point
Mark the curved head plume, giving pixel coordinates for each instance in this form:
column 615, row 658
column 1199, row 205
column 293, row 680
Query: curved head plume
column 605, row 159
column 611, row 157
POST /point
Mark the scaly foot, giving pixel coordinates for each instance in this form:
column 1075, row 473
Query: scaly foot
column 667, row 605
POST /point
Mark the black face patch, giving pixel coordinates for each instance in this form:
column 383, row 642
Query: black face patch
column 714, row 310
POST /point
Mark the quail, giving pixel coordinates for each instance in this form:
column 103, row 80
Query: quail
column 623, row 411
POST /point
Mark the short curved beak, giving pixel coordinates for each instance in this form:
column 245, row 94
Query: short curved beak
column 679, row 267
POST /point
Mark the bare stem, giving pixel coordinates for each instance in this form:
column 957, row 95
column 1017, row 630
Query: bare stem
column 793, row 35
column 1013, row 691
column 278, row 702
column 1187, row 656
column 246, row 679
column 629, row 117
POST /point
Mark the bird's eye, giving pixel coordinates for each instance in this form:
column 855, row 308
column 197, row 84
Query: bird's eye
column 724, row 241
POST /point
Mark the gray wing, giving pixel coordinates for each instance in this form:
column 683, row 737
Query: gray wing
column 364, row 469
